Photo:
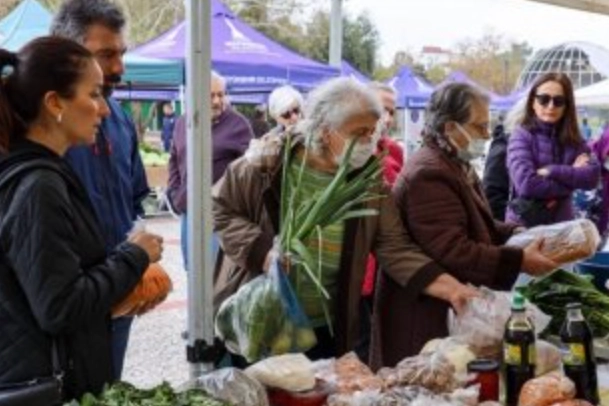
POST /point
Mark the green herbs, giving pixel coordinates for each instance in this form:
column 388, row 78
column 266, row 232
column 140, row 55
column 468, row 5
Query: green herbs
column 125, row 394
column 553, row 292
column 341, row 200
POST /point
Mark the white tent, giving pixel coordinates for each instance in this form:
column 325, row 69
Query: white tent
column 593, row 6
column 596, row 95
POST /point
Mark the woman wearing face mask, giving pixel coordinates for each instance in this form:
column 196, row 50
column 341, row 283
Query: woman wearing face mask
column 246, row 217
column 547, row 157
column 445, row 210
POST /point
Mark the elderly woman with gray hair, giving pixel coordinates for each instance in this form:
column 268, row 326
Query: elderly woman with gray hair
column 444, row 208
column 246, row 219
column 285, row 107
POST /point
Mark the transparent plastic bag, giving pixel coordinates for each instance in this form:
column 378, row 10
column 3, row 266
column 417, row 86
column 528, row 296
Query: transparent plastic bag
column 431, row 371
column 482, row 324
column 233, row 386
column 564, row 242
column 290, row 372
column 347, row 375
column 264, row 318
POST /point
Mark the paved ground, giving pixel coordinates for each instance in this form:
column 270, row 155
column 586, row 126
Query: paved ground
column 156, row 350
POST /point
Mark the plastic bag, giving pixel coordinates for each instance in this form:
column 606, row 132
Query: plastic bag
column 347, row 375
column 548, row 357
column 290, row 372
column 457, row 352
column 232, row 386
column 431, row 371
column 564, row 242
column 264, row 318
column 546, row 390
column 154, row 286
column 482, row 323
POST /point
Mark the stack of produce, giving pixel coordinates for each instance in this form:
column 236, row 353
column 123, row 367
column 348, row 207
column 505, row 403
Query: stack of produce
column 152, row 156
column 123, row 394
column 550, row 390
column 555, row 291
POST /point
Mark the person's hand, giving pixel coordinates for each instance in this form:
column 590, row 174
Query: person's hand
column 519, row 230
column 461, row 295
column 446, row 287
column 286, row 264
column 151, row 243
column 534, row 262
column 543, row 172
column 581, row 161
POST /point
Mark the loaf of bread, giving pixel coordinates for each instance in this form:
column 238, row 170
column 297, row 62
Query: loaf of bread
column 564, row 242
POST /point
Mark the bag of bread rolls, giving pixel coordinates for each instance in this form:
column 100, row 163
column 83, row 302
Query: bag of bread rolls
column 564, row 242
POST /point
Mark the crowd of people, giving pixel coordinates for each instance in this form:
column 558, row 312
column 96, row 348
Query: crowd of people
column 72, row 183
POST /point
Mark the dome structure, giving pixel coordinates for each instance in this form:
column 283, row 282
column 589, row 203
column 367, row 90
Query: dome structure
column 585, row 63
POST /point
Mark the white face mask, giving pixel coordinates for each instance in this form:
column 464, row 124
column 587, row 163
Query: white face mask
column 475, row 149
column 360, row 154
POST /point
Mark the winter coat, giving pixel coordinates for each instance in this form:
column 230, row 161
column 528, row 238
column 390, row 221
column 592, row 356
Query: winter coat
column 496, row 180
column 539, row 147
column 447, row 214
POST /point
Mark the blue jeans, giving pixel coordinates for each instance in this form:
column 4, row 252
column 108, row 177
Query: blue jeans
column 215, row 244
column 121, row 328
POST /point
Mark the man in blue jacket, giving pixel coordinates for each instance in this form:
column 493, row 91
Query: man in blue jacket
column 111, row 169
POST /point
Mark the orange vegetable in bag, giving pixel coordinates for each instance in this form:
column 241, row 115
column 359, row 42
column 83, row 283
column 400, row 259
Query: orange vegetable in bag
column 153, row 287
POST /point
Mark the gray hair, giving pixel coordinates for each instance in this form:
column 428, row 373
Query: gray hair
column 216, row 76
column 76, row 16
column 282, row 98
column 382, row 87
column 333, row 103
column 452, row 102
column 515, row 117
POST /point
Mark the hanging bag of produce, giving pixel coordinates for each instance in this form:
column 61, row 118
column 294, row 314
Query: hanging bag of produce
column 264, row 317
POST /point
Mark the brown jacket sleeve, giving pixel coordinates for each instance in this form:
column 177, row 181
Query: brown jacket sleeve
column 236, row 208
column 434, row 209
column 398, row 255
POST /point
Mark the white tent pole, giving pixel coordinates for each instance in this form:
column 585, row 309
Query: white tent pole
column 336, row 34
column 198, row 113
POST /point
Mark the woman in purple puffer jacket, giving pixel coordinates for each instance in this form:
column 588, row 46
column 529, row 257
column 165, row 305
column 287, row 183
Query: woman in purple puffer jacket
column 547, row 157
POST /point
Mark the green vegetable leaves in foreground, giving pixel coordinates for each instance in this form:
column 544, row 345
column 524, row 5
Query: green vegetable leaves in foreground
column 125, row 394
column 555, row 291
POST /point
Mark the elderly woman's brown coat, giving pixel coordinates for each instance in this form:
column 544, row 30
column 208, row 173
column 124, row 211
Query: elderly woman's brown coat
column 246, row 219
column 447, row 214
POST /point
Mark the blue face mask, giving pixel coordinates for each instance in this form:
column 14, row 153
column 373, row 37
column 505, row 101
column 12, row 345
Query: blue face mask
column 476, row 147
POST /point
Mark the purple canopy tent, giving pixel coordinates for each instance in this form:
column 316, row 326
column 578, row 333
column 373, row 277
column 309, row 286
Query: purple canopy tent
column 348, row 70
column 413, row 92
column 250, row 61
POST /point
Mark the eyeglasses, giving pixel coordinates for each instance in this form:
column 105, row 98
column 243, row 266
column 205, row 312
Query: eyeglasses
column 288, row 114
column 482, row 128
column 389, row 111
column 545, row 99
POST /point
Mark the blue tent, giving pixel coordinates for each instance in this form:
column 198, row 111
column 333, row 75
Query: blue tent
column 413, row 92
column 26, row 22
column 250, row 61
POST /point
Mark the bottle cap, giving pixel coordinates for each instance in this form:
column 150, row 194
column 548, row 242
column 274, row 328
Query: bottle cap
column 517, row 301
column 574, row 306
column 482, row 365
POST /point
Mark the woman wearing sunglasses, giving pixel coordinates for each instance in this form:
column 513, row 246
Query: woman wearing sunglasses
column 285, row 105
column 547, row 157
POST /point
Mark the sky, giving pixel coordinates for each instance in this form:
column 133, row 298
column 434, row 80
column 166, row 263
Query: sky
column 411, row 24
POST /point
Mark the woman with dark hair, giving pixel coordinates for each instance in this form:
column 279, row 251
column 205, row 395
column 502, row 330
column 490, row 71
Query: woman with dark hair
column 547, row 157
column 444, row 208
column 57, row 283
